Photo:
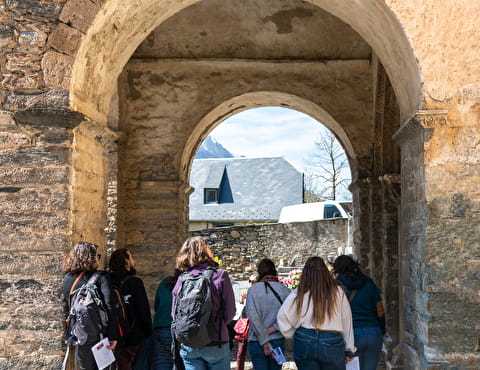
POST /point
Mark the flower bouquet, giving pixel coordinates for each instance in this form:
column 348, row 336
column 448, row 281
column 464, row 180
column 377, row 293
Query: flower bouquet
column 292, row 280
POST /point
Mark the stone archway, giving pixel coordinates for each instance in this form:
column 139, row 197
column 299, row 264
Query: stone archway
column 74, row 51
column 154, row 187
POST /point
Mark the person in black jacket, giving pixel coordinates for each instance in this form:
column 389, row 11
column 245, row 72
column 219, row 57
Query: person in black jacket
column 83, row 258
column 122, row 274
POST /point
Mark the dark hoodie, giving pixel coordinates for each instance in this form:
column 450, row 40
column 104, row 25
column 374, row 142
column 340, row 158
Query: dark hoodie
column 367, row 307
column 139, row 314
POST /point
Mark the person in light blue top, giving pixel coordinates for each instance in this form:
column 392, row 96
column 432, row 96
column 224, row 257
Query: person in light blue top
column 264, row 299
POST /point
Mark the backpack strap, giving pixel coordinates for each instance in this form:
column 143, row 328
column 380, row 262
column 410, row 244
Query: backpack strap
column 93, row 279
column 73, row 286
column 273, row 291
column 352, row 295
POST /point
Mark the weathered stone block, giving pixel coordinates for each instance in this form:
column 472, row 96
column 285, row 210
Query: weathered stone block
column 31, row 270
column 39, row 8
column 35, row 156
column 33, row 199
column 20, row 62
column 31, row 240
column 80, row 13
column 32, row 39
column 21, row 100
column 54, row 135
column 32, row 220
column 12, row 81
column 14, row 140
column 65, row 39
column 57, row 69
column 7, row 121
column 6, row 37
column 33, row 175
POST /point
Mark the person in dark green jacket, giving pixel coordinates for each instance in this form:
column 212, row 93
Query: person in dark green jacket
column 162, row 321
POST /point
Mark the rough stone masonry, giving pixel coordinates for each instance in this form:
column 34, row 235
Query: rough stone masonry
column 105, row 99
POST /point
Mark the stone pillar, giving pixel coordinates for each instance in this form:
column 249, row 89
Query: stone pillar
column 154, row 226
column 92, row 144
column 439, row 242
column 376, row 240
column 390, row 289
column 361, row 219
column 35, row 170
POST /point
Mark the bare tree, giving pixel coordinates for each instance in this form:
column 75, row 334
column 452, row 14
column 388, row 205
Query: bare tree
column 328, row 168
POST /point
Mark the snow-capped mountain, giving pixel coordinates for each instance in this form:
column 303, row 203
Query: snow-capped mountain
column 211, row 148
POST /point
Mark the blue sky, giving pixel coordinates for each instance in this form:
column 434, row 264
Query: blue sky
column 273, row 131
column 269, row 131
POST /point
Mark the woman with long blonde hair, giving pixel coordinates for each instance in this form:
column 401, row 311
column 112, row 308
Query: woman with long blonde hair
column 317, row 315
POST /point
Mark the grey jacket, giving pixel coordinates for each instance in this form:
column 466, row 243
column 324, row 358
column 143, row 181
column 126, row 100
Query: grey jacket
column 262, row 307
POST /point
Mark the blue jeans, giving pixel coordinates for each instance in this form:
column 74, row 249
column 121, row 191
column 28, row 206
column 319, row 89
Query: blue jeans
column 369, row 344
column 259, row 360
column 318, row 350
column 208, row 357
column 162, row 349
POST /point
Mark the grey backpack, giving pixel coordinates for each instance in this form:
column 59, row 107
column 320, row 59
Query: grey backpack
column 87, row 318
column 194, row 324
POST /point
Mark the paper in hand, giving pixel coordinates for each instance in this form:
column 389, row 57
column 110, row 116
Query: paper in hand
column 103, row 356
column 278, row 355
column 354, row 364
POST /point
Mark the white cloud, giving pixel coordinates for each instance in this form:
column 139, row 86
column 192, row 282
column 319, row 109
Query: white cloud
column 270, row 131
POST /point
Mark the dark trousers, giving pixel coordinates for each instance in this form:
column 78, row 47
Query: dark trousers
column 126, row 356
column 241, row 354
column 85, row 358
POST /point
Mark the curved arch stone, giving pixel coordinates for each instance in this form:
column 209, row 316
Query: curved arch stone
column 255, row 100
column 119, row 28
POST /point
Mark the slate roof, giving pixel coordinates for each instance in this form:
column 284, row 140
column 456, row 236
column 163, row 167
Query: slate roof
column 251, row 188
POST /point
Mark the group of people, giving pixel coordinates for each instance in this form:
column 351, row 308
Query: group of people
column 331, row 317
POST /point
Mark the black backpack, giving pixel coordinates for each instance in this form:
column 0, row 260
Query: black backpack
column 194, row 324
column 87, row 318
column 125, row 310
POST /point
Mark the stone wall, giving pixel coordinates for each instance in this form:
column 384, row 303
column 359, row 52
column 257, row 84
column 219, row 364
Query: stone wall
column 240, row 248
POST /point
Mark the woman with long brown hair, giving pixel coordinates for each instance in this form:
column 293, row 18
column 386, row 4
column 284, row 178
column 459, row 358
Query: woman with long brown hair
column 317, row 315
column 195, row 258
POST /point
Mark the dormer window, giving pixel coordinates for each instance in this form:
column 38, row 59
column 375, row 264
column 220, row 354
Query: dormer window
column 210, row 196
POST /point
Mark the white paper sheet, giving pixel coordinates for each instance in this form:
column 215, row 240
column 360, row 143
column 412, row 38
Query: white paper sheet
column 354, row 364
column 278, row 355
column 103, row 355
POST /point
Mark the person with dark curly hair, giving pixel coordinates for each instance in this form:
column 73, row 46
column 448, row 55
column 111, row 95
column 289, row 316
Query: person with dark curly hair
column 79, row 265
column 367, row 310
column 135, row 300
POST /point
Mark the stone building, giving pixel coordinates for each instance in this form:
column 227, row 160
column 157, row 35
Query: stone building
column 109, row 94
column 238, row 191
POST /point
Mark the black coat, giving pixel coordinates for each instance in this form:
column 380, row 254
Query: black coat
column 103, row 282
column 139, row 311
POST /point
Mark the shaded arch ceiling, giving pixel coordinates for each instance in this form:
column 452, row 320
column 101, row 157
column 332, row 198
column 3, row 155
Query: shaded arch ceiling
column 121, row 27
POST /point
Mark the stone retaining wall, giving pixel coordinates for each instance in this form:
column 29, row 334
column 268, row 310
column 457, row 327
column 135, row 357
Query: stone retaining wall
column 240, row 248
